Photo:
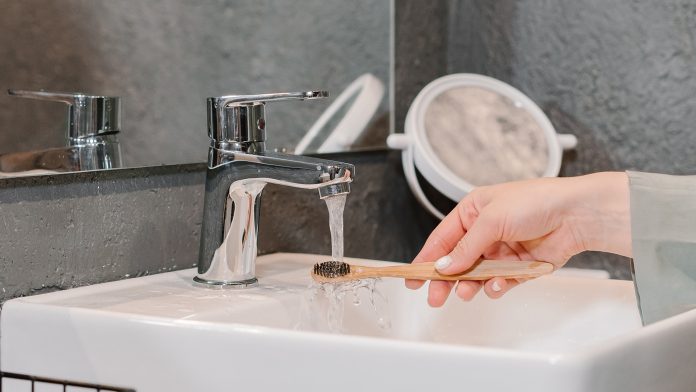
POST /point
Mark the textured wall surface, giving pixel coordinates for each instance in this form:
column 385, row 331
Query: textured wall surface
column 420, row 50
column 620, row 75
column 164, row 57
column 76, row 229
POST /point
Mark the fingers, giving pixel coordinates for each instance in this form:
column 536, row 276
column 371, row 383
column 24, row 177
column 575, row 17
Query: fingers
column 440, row 242
column 483, row 233
column 438, row 291
column 444, row 238
column 467, row 290
column 414, row 284
column 497, row 287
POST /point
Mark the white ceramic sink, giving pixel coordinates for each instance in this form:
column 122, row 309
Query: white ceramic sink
column 161, row 333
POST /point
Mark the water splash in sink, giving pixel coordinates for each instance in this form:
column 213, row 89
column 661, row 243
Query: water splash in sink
column 324, row 304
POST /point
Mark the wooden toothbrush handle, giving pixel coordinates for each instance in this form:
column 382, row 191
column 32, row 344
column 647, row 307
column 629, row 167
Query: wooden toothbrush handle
column 482, row 270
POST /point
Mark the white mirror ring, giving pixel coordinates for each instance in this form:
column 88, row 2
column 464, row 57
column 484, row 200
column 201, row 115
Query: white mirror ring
column 368, row 91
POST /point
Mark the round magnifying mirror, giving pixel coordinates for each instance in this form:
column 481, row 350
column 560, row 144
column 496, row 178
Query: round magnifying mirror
column 467, row 130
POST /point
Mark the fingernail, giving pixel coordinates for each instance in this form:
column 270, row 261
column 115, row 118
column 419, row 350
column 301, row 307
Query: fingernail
column 496, row 287
column 443, row 262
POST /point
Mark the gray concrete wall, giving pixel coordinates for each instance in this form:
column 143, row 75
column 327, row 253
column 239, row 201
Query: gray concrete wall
column 420, row 50
column 164, row 57
column 621, row 75
column 76, row 229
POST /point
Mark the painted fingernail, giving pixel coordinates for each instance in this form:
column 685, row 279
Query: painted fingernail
column 496, row 287
column 443, row 262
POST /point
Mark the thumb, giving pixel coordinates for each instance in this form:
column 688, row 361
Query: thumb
column 482, row 234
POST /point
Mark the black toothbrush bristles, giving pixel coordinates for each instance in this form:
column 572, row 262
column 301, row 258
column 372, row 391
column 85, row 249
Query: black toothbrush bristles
column 332, row 269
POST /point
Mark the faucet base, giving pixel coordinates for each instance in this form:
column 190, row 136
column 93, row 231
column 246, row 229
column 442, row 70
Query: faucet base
column 217, row 284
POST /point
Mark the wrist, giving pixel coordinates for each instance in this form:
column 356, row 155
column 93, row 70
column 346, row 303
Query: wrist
column 601, row 211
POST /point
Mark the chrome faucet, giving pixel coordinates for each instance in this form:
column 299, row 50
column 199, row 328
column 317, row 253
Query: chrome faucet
column 91, row 141
column 238, row 169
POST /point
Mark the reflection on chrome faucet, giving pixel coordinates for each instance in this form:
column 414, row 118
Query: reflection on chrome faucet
column 238, row 169
column 91, row 141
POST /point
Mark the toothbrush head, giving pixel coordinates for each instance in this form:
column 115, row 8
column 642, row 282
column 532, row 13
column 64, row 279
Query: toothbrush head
column 328, row 271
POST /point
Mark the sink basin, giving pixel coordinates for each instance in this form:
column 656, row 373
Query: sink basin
column 161, row 333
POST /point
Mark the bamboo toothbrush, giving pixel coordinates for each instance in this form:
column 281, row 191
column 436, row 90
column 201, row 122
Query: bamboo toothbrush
column 336, row 271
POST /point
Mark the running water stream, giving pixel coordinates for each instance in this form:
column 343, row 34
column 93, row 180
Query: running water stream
column 336, row 205
column 335, row 293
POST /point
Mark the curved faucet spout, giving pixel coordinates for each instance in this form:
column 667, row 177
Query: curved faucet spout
column 233, row 190
column 344, row 180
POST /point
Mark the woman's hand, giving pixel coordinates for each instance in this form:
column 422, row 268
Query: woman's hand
column 547, row 219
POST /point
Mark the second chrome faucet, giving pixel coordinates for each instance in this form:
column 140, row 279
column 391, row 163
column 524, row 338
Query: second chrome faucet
column 91, row 140
column 238, row 169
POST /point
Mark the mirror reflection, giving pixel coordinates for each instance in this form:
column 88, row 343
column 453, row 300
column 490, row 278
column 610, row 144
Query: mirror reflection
column 485, row 137
column 163, row 58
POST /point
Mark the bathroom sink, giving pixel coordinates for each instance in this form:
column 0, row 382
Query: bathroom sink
column 162, row 333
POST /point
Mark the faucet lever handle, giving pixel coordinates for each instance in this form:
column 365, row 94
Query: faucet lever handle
column 68, row 98
column 88, row 115
column 243, row 100
column 236, row 120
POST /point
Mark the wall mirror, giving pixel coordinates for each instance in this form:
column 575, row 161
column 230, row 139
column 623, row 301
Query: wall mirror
column 163, row 58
